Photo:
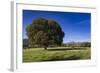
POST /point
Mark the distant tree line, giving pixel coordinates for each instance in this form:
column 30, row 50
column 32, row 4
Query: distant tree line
column 25, row 43
column 70, row 44
column 77, row 44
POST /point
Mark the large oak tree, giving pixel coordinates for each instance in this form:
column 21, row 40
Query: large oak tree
column 44, row 32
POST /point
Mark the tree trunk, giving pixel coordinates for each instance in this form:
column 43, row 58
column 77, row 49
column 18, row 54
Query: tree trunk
column 45, row 48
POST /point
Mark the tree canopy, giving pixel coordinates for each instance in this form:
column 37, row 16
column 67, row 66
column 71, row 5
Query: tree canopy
column 44, row 32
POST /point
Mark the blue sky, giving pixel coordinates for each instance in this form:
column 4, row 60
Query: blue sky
column 76, row 26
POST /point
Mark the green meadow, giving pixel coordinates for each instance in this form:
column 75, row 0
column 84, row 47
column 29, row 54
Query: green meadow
column 56, row 54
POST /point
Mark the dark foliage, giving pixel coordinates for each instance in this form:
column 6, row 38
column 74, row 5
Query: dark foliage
column 44, row 32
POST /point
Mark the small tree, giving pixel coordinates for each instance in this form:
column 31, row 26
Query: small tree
column 44, row 32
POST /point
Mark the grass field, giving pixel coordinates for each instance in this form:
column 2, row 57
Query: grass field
column 56, row 54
